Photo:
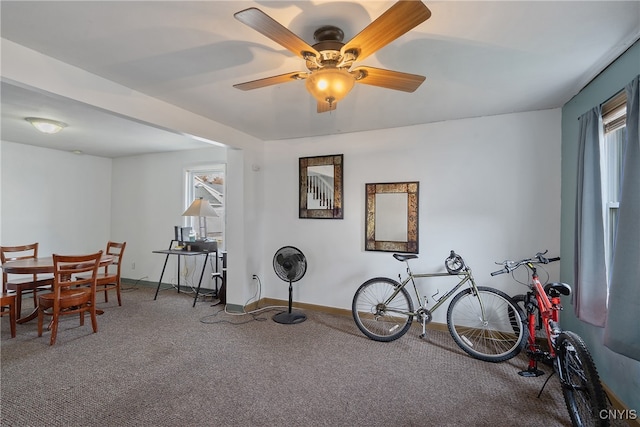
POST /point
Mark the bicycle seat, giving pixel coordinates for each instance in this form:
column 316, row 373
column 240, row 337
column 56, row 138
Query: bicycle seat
column 557, row 288
column 401, row 257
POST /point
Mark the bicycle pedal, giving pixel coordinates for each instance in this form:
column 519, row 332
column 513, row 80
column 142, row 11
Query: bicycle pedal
column 531, row 372
column 537, row 354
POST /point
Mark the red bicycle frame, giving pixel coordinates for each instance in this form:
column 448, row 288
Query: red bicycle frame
column 549, row 310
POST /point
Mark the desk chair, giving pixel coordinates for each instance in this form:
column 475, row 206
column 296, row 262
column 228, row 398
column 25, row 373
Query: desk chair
column 8, row 303
column 31, row 283
column 70, row 295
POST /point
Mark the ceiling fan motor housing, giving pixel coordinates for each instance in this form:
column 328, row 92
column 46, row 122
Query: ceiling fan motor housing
column 329, row 43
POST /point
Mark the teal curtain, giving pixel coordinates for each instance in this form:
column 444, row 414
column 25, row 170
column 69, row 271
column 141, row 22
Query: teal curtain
column 622, row 331
column 590, row 286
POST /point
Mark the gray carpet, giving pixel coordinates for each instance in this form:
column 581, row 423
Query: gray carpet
column 164, row 363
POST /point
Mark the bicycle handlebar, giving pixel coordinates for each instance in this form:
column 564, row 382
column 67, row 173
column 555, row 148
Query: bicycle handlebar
column 510, row 265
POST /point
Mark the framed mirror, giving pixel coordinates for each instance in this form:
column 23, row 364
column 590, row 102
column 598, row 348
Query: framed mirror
column 321, row 187
column 392, row 217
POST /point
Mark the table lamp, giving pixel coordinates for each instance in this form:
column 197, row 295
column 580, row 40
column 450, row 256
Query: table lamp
column 202, row 209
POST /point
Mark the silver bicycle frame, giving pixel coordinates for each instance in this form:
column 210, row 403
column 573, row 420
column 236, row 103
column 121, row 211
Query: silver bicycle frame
column 468, row 277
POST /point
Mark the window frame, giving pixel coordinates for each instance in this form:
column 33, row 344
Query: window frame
column 190, row 194
column 614, row 115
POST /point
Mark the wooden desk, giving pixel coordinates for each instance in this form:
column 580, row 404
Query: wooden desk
column 178, row 252
column 39, row 266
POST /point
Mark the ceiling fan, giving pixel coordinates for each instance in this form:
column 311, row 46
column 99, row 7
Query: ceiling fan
column 330, row 77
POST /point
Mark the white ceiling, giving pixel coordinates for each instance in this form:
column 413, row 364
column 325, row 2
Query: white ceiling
column 480, row 58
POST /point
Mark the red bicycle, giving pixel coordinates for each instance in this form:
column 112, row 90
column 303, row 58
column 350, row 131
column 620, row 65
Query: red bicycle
column 565, row 351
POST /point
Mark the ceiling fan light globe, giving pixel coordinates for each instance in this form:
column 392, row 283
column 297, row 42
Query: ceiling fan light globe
column 330, row 83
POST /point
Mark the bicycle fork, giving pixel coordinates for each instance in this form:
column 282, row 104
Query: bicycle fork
column 549, row 314
column 533, row 349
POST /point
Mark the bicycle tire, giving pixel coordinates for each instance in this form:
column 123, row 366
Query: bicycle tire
column 583, row 393
column 377, row 320
column 501, row 336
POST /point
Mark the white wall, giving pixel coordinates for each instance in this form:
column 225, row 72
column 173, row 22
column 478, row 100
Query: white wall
column 59, row 199
column 489, row 188
column 134, row 199
column 24, row 67
column 147, row 202
column 480, row 181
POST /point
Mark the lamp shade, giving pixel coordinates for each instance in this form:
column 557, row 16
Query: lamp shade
column 330, row 84
column 200, row 207
column 46, row 125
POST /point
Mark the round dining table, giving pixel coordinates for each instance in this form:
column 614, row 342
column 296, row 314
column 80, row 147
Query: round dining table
column 42, row 265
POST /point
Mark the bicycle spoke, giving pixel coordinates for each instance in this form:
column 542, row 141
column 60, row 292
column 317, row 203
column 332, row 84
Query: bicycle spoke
column 581, row 386
column 376, row 315
column 487, row 326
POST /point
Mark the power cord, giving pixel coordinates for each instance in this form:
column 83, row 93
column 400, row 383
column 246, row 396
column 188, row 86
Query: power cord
column 134, row 286
column 252, row 313
column 257, row 297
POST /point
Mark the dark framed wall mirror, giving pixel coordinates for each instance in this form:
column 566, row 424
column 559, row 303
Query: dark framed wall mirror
column 321, row 187
column 392, row 217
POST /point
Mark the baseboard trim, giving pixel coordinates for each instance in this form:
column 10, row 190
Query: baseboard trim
column 140, row 282
column 164, row 286
column 620, row 406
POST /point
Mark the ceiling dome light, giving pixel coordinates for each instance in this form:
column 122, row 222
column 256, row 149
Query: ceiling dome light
column 46, row 125
column 330, row 84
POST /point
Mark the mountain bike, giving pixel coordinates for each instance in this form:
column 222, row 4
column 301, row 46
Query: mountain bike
column 484, row 322
column 565, row 351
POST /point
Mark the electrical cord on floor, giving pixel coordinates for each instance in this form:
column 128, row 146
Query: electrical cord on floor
column 134, row 285
column 252, row 313
column 206, row 320
column 256, row 297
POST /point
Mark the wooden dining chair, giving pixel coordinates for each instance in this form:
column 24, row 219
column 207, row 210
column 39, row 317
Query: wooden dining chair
column 8, row 306
column 31, row 282
column 109, row 276
column 70, row 294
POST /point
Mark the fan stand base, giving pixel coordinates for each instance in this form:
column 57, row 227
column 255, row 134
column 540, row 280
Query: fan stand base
column 289, row 318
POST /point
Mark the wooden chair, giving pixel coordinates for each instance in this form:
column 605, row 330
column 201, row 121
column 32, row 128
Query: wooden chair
column 109, row 278
column 8, row 303
column 69, row 294
column 31, row 283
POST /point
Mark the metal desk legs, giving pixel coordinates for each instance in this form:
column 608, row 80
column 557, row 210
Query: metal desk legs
column 162, row 274
column 204, row 266
column 165, row 266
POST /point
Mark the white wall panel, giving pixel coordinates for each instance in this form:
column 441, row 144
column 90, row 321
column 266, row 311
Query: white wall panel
column 489, row 188
column 59, row 199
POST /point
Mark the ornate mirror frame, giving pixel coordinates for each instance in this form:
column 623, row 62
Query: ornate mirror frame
column 411, row 189
column 327, row 194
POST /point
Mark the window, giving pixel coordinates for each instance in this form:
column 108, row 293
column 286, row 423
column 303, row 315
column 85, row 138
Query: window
column 614, row 115
column 207, row 182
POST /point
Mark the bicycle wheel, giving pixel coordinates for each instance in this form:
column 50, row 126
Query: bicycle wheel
column 378, row 317
column 583, row 393
column 488, row 326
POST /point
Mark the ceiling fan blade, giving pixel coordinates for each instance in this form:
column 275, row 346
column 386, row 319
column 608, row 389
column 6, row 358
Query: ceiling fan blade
column 397, row 20
column 266, row 25
column 269, row 81
column 389, row 79
column 324, row 106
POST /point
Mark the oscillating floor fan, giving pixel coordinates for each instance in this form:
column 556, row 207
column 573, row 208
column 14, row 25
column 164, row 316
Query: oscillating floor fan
column 290, row 265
